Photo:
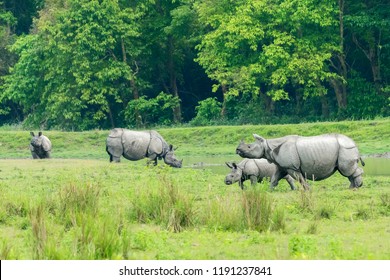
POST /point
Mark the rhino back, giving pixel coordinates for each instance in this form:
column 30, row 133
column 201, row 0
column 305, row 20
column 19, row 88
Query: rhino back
column 318, row 156
column 258, row 167
column 135, row 144
column 266, row 169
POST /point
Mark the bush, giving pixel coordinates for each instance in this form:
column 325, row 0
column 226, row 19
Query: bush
column 152, row 111
column 208, row 111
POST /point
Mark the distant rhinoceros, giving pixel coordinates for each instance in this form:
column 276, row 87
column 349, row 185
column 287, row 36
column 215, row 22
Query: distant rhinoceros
column 40, row 146
column 255, row 170
column 136, row 145
column 313, row 158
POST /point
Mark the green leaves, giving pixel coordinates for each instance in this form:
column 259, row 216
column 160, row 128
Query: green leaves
column 72, row 67
column 267, row 44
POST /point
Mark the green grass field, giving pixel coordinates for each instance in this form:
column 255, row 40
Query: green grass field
column 79, row 206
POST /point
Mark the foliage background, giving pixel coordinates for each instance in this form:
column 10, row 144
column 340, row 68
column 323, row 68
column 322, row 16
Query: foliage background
column 77, row 65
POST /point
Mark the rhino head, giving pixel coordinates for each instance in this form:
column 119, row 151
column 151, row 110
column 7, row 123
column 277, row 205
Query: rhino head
column 252, row 150
column 171, row 159
column 36, row 141
column 234, row 175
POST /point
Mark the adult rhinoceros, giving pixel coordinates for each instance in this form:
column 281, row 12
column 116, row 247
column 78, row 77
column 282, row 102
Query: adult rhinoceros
column 255, row 170
column 40, row 146
column 136, row 145
column 314, row 158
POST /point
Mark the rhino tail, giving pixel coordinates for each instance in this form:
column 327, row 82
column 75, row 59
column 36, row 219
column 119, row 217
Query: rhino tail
column 362, row 162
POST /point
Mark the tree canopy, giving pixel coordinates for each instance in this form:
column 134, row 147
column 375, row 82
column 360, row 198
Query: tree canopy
column 74, row 64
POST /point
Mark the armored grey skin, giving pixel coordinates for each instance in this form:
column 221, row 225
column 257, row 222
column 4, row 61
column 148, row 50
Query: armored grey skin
column 40, row 146
column 136, row 145
column 255, row 170
column 314, row 158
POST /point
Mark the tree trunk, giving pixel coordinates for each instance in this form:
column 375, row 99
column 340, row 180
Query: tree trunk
column 299, row 102
column 324, row 107
column 340, row 90
column 269, row 104
column 133, row 85
column 373, row 55
column 340, row 65
column 110, row 115
column 223, row 109
column 177, row 116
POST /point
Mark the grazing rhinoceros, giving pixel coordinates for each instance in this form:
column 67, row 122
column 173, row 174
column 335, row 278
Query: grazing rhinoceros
column 314, row 158
column 40, row 146
column 255, row 170
column 136, row 145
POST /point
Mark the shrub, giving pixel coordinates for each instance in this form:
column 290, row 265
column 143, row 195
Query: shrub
column 156, row 111
column 208, row 111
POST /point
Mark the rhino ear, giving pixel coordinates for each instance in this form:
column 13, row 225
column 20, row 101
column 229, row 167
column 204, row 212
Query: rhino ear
column 32, row 134
column 170, row 147
column 175, row 148
column 258, row 137
column 234, row 165
column 229, row 164
column 40, row 133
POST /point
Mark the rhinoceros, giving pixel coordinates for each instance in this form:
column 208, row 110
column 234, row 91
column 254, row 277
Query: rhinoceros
column 40, row 146
column 253, row 169
column 314, row 158
column 136, row 145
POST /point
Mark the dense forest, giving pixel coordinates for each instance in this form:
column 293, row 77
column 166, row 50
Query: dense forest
column 85, row 64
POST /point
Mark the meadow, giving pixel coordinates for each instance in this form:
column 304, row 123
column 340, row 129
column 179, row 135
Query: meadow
column 79, row 206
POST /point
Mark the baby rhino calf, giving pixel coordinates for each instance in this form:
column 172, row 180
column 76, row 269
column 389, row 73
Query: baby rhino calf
column 254, row 170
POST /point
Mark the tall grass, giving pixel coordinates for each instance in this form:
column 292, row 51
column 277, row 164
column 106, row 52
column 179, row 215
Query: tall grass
column 165, row 204
column 75, row 200
column 260, row 212
column 39, row 232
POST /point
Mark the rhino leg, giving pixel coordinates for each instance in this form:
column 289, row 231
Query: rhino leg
column 152, row 160
column 290, row 181
column 279, row 174
column 114, row 159
column 254, row 180
column 241, row 183
column 34, row 155
column 300, row 178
